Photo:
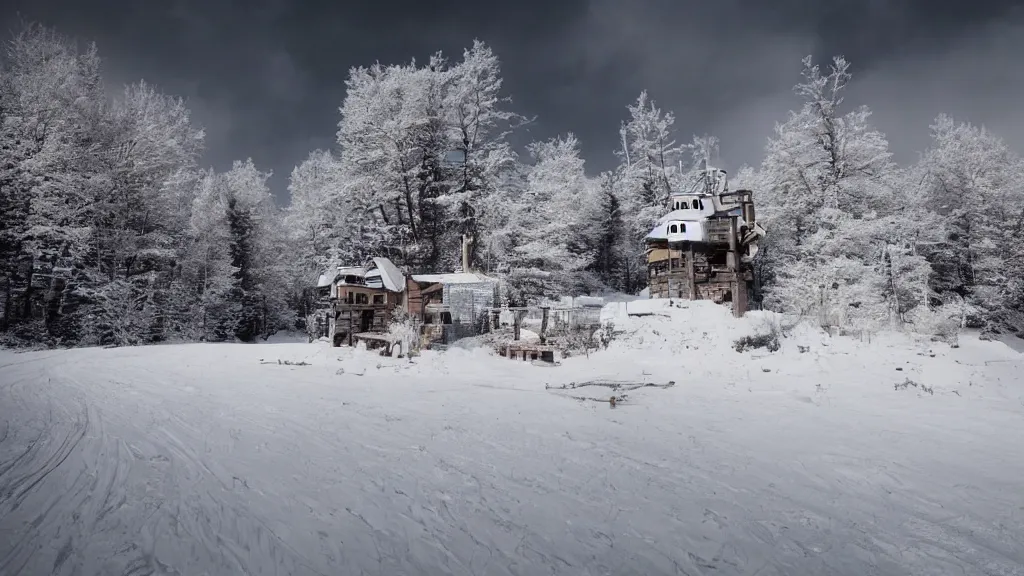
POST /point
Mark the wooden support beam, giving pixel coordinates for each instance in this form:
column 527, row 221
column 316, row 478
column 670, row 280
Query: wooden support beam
column 739, row 288
column 691, row 276
column 668, row 279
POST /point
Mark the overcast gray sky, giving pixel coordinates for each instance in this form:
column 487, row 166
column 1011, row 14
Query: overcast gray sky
column 266, row 77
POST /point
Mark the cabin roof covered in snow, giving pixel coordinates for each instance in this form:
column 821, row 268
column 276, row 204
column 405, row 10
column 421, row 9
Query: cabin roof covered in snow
column 379, row 273
column 390, row 275
column 683, row 215
column 454, row 278
column 352, row 271
column 660, row 232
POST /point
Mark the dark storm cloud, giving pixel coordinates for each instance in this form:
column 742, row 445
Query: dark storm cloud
column 266, row 77
column 728, row 67
column 977, row 77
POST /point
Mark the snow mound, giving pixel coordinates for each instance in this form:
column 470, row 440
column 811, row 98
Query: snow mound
column 675, row 326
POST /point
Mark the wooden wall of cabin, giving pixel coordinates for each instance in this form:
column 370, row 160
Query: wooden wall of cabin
column 373, row 316
column 413, row 299
column 345, row 290
column 668, row 274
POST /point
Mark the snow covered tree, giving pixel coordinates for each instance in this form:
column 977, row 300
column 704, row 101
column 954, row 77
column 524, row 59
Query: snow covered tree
column 236, row 267
column 834, row 212
column 96, row 198
column 608, row 230
column 209, row 278
column 377, row 154
column 551, row 247
column 648, row 173
column 255, row 252
column 650, row 159
column 973, row 190
column 478, row 130
column 142, row 218
column 52, row 110
column 316, row 212
column 422, row 152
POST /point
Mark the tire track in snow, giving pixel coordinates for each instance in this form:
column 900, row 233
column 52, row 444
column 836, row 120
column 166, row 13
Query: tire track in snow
column 28, row 482
column 165, row 481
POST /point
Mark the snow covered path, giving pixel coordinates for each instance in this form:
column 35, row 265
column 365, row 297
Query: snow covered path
column 198, row 459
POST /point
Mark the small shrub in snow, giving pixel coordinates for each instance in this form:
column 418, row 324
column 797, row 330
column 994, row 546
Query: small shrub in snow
column 585, row 340
column 405, row 332
column 769, row 341
column 606, row 334
column 908, row 383
column 575, row 342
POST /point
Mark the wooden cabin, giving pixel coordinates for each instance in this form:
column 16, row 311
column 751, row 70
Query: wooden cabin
column 363, row 300
column 359, row 302
column 703, row 247
column 450, row 306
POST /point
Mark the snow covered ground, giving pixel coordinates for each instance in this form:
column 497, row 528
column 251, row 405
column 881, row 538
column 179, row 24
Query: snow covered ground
column 215, row 459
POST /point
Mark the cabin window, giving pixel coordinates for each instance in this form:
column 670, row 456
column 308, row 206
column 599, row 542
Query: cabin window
column 673, row 229
column 682, row 228
column 362, row 299
column 351, row 298
column 701, row 202
column 378, row 298
column 695, row 203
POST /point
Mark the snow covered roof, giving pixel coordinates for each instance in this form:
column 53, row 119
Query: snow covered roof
column 390, row 275
column 589, row 301
column 454, row 278
column 684, row 215
column 660, row 232
column 352, row 271
column 378, row 273
column 569, row 302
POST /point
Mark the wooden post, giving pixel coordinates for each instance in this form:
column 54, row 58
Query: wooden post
column 668, row 279
column 691, row 274
column 350, row 327
column 738, row 285
column 516, row 322
column 544, row 325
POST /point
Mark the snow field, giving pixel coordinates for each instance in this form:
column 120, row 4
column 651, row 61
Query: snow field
column 200, row 459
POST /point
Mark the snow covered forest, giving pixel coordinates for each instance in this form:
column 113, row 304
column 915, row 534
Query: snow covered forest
column 112, row 233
